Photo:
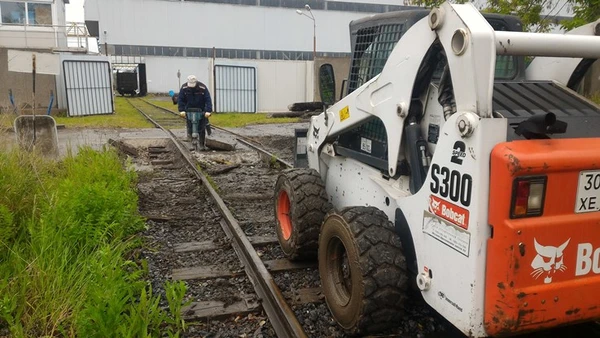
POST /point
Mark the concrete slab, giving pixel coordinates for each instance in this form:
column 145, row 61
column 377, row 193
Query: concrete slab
column 71, row 139
column 37, row 132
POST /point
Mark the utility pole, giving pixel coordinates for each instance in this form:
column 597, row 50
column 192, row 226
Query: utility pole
column 312, row 17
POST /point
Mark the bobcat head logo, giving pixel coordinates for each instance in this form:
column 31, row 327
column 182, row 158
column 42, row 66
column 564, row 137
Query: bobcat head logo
column 548, row 260
column 434, row 206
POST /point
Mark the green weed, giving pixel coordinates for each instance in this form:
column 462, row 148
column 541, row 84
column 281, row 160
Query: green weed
column 595, row 97
column 273, row 163
column 212, row 183
column 66, row 230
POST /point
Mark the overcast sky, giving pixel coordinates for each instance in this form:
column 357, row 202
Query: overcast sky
column 75, row 11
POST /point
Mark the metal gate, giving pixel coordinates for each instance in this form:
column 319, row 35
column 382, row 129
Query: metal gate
column 235, row 89
column 88, row 86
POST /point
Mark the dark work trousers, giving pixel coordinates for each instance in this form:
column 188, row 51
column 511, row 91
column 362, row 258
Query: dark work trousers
column 201, row 129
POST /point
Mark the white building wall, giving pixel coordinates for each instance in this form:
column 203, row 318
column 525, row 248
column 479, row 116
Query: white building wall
column 297, row 84
column 161, row 72
column 59, row 19
column 279, row 83
column 207, row 25
column 197, row 24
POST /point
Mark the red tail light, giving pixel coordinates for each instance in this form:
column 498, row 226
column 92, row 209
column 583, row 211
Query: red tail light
column 528, row 196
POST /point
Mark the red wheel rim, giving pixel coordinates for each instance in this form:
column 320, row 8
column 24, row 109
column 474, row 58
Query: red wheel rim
column 283, row 215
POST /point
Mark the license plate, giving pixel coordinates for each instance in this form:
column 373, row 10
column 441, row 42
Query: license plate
column 588, row 192
column 301, row 145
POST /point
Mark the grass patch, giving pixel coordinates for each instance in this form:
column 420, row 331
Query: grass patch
column 67, row 234
column 125, row 116
column 233, row 120
column 273, row 162
column 595, row 97
column 7, row 120
column 210, row 180
column 163, row 103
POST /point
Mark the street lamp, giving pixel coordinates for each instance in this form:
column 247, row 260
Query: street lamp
column 312, row 17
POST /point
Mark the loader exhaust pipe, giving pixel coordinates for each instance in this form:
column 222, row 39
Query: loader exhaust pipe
column 540, row 126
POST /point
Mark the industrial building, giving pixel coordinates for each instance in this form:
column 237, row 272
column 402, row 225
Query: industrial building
column 255, row 55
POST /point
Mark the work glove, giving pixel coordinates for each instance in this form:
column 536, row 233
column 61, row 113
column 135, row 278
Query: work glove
column 207, row 114
column 182, row 113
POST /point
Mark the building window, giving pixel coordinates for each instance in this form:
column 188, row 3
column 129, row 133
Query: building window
column 39, row 14
column 25, row 13
column 13, row 13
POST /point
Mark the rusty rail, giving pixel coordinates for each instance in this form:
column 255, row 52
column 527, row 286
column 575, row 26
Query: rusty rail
column 243, row 139
column 212, row 126
column 281, row 316
column 285, row 163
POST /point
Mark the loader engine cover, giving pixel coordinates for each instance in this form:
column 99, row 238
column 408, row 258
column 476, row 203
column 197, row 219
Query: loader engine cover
column 543, row 264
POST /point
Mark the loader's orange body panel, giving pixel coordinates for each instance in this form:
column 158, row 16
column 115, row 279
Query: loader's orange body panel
column 519, row 294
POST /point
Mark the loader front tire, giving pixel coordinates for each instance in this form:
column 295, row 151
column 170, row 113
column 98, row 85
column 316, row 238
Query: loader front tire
column 362, row 269
column 301, row 204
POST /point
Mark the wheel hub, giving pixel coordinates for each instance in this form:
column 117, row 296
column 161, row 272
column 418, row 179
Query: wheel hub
column 339, row 271
column 283, row 214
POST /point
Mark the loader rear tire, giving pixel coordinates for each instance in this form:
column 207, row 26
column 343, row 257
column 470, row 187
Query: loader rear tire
column 301, row 204
column 362, row 269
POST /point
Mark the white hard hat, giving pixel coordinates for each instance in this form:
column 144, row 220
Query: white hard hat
column 191, row 81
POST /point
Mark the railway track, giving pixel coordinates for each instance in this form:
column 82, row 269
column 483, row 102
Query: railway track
column 268, row 296
column 219, row 237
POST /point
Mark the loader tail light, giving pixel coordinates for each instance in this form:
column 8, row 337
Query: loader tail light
column 528, row 196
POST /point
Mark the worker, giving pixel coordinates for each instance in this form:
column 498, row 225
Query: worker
column 195, row 95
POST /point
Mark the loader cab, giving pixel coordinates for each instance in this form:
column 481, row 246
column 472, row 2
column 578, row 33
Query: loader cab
column 372, row 41
column 373, row 38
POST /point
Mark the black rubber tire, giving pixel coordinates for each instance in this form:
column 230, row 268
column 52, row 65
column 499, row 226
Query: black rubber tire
column 372, row 298
column 298, row 222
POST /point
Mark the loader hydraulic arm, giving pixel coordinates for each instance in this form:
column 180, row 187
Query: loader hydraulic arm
column 388, row 96
column 470, row 45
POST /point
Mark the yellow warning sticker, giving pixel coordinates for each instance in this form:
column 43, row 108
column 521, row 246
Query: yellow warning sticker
column 344, row 113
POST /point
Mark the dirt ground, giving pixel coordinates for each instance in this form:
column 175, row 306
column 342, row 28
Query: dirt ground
column 247, row 190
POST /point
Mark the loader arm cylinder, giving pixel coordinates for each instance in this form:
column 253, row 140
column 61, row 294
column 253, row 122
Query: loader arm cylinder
column 555, row 45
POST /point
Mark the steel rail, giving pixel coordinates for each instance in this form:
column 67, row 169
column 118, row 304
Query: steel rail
column 240, row 138
column 287, row 164
column 248, row 139
column 281, row 316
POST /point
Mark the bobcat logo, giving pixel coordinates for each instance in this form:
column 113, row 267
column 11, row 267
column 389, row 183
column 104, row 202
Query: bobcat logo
column 548, row 260
column 434, row 206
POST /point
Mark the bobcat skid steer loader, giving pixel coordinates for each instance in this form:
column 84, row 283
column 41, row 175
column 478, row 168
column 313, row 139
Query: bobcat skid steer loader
column 446, row 167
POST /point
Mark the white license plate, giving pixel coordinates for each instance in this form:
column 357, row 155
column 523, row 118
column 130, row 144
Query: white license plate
column 588, row 192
